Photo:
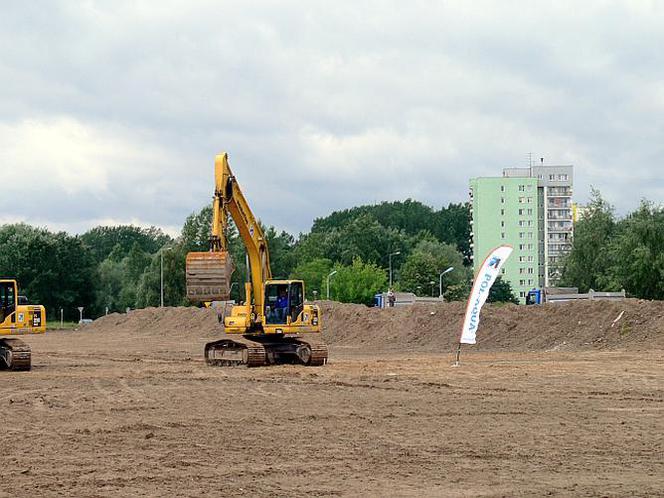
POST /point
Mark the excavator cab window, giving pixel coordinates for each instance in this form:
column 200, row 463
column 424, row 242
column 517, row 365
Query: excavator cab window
column 283, row 301
column 276, row 303
column 7, row 300
column 296, row 300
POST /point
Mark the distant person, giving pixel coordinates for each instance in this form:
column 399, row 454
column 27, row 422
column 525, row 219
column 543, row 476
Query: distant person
column 391, row 298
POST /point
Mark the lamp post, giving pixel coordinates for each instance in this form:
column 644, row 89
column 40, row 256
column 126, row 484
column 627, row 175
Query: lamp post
column 161, row 254
column 441, row 280
column 390, row 258
column 432, row 284
column 328, row 283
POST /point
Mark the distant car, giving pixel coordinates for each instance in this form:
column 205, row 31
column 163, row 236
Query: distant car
column 85, row 321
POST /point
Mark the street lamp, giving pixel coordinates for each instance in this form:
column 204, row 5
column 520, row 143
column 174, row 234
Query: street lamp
column 161, row 254
column 328, row 283
column 390, row 258
column 432, row 284
column 441, row 280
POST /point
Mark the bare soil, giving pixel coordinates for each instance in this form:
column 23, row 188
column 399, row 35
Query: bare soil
column 551, row 401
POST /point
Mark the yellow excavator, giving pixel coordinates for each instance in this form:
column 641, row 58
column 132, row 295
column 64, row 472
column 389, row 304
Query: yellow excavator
column 17, row 317
column 274, row 325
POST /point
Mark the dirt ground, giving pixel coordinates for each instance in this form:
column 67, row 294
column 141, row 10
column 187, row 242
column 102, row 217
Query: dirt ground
column 126, row 407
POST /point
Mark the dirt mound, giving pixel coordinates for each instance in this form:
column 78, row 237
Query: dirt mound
column 434, row 327
column 185, row 322
column 562, row 326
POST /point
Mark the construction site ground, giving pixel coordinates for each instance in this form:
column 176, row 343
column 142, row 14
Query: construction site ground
column 562, row 401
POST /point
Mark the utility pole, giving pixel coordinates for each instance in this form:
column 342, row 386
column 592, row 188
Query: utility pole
column 441, row 280
column 328, row 283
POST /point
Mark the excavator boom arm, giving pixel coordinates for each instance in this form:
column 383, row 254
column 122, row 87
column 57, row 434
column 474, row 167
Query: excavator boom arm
column 229, row 200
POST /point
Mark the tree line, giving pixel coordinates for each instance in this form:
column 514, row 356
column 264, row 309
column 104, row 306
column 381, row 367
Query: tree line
column 119, row 267
column 611, row 253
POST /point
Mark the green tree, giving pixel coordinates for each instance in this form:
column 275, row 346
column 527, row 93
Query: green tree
column 357, row 283
column 636, row 254
column 361, row 237
column 427, row 261
column 449, row 225
column 105, row 239
column 53, row 269
column 195, row 235
column 313, row 273
column 501, row 292
column 280, row 245
column 587, row 265
column 148, row 289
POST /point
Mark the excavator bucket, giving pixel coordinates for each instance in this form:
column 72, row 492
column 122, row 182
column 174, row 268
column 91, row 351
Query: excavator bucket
column 209, row 276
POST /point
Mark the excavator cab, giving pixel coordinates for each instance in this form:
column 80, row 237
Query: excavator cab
column 8, row 296
column 284, row 301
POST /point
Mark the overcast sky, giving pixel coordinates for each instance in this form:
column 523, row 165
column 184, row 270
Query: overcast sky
column 112, row 112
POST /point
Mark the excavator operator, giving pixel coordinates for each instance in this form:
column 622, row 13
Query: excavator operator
column 281, row 307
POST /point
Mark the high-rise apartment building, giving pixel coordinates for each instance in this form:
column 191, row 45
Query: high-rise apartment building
column 530, row 209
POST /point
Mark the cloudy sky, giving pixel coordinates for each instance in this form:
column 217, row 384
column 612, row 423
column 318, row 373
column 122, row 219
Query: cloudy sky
column 111, row 112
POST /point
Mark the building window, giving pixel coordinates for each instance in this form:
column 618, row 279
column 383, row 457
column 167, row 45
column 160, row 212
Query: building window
column 522, row 259
column 530, row 235
column 502, row 212
column 530, row 247
column 522, row 294
column 520, row 212
column 530, row 187
column 530, row 271
column 522, row 235
column 530, row 211
column 522, row 282
column 552, row 177
column 522, row 271
column 522, row 247
column 502, row 270
column 522, row 188
column 530, row 281
column 530, row 259
column 502, row 224
column 562, row 177
column 530, row 200
column 502, row 235
column 502, row 200
column 502, row 188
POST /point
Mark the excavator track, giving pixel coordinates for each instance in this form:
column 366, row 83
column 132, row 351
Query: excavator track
column 15, row 355
column 235, row 352
column 261, row 350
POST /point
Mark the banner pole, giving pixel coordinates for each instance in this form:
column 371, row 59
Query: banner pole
column 458, row 353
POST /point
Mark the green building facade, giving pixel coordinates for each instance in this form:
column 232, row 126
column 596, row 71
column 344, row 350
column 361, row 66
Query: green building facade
column 509, row 210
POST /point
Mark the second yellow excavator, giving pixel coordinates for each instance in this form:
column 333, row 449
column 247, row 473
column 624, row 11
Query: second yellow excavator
column 274, row 324
column 17, row 317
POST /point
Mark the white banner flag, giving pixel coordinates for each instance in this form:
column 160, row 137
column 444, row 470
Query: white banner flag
column 487, row 275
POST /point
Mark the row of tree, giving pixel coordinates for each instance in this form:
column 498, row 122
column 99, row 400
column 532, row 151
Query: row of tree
column 114, row 268
column 611, row 254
